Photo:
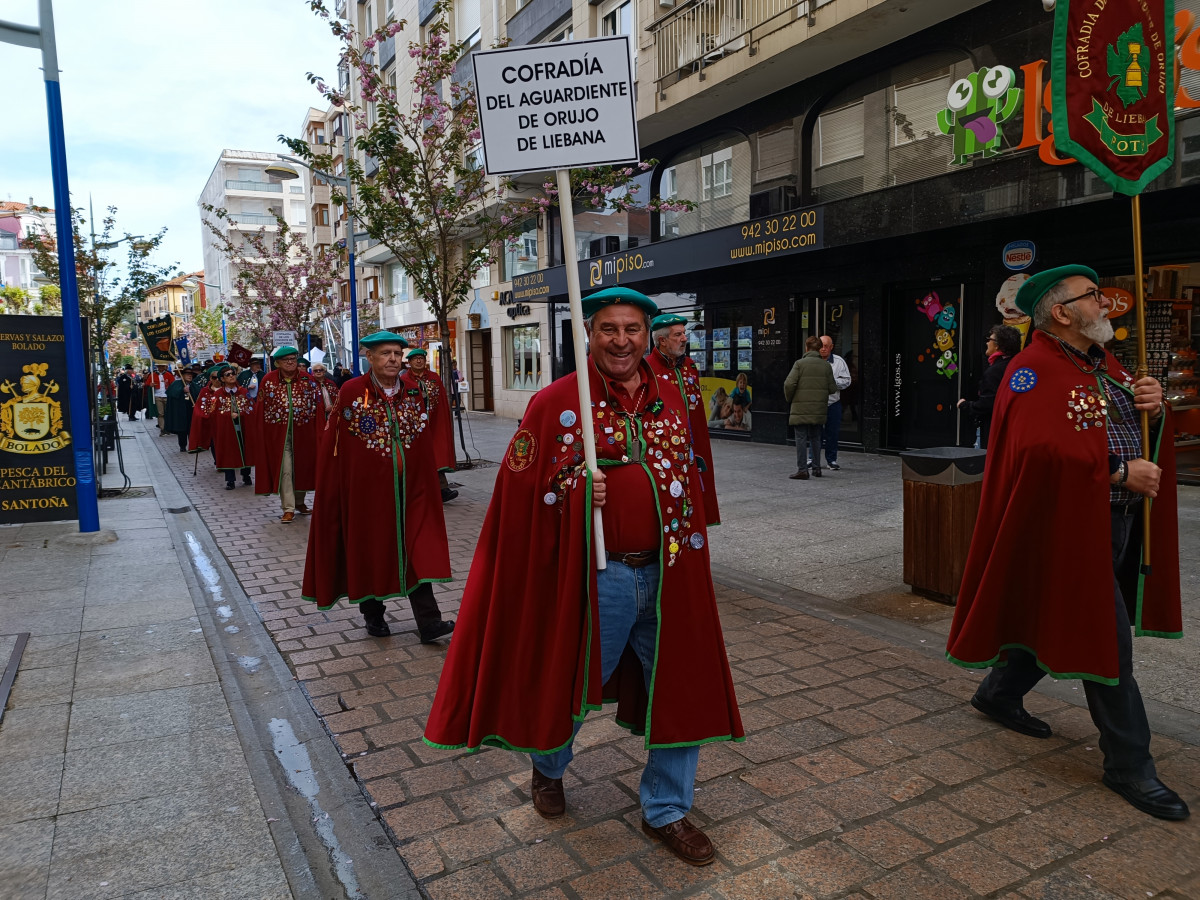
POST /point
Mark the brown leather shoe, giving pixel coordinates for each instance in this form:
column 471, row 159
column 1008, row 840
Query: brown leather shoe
column 548, row 797
column 685, row 840
column 287, row 517
column 303, row 510
column 799, row 475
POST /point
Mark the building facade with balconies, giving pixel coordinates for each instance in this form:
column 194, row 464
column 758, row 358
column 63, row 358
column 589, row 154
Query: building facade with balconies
column 17, row 222
column 240, row 184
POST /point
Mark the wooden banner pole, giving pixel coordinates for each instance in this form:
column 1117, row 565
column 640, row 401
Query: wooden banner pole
column 570, row 257
column 1143, row 370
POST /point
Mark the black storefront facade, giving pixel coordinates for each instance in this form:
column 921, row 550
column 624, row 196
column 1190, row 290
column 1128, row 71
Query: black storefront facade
column 905, row 277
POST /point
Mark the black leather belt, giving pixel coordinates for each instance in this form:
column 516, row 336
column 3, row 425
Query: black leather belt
column 635, row 560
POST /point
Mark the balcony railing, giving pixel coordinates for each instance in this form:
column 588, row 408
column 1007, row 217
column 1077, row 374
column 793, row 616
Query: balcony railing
column 270, row 186
column 252, row 218
column 698, row 33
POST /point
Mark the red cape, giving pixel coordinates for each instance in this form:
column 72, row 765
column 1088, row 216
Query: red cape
column 687, row 379
column 218, row 407
column 331, row 388
column 378, row 531
column 525, row 659
column 276, row 411
column 433, row 401
column 1038, row 575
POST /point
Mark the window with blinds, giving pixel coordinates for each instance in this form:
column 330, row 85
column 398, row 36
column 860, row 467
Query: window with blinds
column 915, row 109
column 839, row 134
column 715, row 175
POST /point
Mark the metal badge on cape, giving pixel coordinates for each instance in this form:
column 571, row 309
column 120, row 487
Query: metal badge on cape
column 1113, row 66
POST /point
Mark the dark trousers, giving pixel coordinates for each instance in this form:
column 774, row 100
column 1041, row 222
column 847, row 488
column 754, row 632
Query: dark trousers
column 424, row 607
column 231, row 474
column 833, row 430
column 1116, row 709
column 808, row 446
column 182, row 437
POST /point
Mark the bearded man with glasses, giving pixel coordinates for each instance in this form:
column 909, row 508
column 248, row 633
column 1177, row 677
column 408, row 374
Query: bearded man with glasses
column 1065, row 463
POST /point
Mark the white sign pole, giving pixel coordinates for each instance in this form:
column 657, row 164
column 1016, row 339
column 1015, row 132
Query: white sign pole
column 566, row 208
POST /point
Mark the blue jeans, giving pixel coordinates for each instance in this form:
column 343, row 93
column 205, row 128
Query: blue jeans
column 833, row 430
column 629, row 615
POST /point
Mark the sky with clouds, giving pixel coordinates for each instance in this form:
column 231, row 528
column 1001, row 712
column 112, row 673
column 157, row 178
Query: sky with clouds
column 152, row 92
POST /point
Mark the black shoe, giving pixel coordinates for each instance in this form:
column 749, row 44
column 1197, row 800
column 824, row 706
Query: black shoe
column 229, row 485
column 372, row 611
column 448, row 494
column 246, row 481
column 816, row 473
column 799, row 475
column 1151, row 797
column 436, row 632
column 1016, row 718
column 834, row 466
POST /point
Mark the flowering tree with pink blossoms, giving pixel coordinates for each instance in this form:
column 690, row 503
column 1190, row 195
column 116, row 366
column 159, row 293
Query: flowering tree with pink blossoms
column 280, row 283
column 425, row 198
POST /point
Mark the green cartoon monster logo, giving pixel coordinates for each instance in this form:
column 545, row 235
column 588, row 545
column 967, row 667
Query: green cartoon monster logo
column 1126, row 68
column 977, row 105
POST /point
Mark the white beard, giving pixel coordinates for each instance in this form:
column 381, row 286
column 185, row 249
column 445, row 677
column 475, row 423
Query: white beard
column 1099, row 330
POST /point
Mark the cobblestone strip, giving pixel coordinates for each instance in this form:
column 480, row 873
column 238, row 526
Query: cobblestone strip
column 865, row 773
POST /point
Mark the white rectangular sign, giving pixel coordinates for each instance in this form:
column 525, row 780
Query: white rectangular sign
column 564, row 105
column 283, row 338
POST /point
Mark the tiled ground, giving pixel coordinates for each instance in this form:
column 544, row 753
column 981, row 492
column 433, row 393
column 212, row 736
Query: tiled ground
column 865, row 773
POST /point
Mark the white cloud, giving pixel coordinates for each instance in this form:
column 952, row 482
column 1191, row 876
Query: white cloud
column 152, row 92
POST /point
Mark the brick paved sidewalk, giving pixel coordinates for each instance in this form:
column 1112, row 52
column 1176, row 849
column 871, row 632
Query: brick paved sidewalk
column 865, row 772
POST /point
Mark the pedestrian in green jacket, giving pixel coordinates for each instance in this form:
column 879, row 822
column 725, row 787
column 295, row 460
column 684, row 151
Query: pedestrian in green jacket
column 807, row 389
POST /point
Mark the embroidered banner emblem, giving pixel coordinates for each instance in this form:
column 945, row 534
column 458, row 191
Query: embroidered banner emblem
column 522, row 451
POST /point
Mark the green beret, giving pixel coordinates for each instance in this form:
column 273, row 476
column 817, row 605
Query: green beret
column 593, row 303
column 1035, row 287
column 219, row 369
column 417, row 352
column 382, row 337
column 281, row 352
column 666, row 320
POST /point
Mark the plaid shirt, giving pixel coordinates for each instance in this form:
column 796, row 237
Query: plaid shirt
column 1124, row 421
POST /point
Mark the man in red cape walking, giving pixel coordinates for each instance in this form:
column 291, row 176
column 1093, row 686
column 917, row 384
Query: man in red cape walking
column 670, row 362
column 1063, row 485
column 378, row 532
column 433, row 398
column 288, row 420
column 542, row 638
column 226, row 408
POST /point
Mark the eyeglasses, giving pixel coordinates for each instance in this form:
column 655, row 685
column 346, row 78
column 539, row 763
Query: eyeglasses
column 1095, row 293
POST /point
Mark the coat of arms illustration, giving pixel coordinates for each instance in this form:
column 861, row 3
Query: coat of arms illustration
column 31, row 420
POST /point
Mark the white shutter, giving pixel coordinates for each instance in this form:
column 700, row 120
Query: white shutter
column 840, row 134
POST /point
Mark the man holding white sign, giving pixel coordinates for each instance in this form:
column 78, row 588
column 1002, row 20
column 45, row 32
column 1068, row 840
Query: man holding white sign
column 543, row 636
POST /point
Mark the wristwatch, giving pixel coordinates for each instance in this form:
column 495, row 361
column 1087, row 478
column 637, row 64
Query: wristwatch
column 1123, row 469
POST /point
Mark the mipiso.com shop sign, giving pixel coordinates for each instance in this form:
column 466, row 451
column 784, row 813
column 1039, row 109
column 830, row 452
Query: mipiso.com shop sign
column 37, row 483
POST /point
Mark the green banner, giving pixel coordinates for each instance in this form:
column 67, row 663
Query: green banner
column 159, row 335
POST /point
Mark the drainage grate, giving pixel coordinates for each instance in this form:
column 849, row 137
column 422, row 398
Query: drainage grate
column 178, row 509
column 110, row 493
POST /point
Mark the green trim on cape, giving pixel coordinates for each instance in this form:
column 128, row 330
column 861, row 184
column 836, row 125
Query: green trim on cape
column 1062, row 676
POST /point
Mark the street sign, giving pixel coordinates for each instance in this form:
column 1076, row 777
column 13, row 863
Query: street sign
column 283, row 338
column 556, row 106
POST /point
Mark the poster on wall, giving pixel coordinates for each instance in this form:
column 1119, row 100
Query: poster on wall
column 37, row 474
column 721, row 360
column 744, row 360
column 728, row 402
column 700, row 358
column 745, row 336
column 720, row 341
column 696, row 338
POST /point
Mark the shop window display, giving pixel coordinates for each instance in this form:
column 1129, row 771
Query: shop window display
column 523, row 352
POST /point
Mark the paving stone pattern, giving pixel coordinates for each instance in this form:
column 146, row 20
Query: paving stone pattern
column 864, row 774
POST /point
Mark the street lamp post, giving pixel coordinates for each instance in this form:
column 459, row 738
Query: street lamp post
column 288, row 173
column 42, row 37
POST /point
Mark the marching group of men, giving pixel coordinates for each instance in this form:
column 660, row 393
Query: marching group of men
column 547, row 632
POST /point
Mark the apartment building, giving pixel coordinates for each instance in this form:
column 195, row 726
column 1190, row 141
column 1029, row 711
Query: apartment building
column 836, row 193
column 181, row 296
column 18, row 221
column 253, row 197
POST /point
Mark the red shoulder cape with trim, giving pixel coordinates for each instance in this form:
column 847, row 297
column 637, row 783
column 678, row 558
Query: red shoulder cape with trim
column 219, row 407
column 687, row 379
column 378, row 530
column 200, row 433
column 525, row 659
column 433, row 400
column 1039, row 572
column 272, row 419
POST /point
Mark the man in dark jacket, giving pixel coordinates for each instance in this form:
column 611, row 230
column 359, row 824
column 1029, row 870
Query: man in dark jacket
column 1003, row 343
column 807, row 389
column 127, row 394
column 181, row 401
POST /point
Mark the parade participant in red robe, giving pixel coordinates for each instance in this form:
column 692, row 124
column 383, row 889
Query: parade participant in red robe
column 669, row 361
column 1064, row 461
column 226, row 408
column 288, row 421
column 200, row 431
column 327, row 387
column 433, row 401
column 543, row 638
column 378, row 532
